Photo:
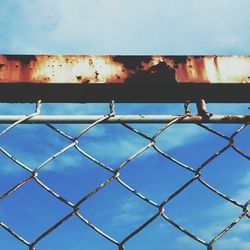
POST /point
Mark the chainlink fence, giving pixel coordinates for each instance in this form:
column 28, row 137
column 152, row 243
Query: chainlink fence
column 76, row 208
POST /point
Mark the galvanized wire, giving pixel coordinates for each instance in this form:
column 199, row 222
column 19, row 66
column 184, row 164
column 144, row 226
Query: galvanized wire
column 115, row 176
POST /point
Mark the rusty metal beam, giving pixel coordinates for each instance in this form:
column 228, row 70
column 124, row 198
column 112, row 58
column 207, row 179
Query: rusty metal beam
column 28, row 78
column 124, row 69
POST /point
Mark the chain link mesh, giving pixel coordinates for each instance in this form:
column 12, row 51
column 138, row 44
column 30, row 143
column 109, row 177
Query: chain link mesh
column 160, row 210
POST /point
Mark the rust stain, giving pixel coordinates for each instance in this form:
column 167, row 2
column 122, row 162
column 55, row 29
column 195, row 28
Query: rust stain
column 124, row 69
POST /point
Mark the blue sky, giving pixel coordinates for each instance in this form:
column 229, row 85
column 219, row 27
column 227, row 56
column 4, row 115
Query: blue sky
column 124, row 27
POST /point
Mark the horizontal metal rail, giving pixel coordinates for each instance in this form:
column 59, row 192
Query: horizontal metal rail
column 87, row 119
column 139, row 92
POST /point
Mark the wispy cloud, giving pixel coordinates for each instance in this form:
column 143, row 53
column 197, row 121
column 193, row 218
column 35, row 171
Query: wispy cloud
column 233, row 243
column 102, row 27
column 222, row 214
column 131, row 213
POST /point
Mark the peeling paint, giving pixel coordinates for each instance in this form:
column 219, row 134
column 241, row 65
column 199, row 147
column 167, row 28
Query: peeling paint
column 124, row 69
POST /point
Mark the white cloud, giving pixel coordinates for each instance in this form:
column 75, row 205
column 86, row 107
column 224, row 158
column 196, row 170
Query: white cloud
column 220, row 217
column 245, row 181
column 226, row 211
column 106, row 27
column 243, row 227
column 233, row 243
column 187, row 243
column 243, row 193
column 130, row 214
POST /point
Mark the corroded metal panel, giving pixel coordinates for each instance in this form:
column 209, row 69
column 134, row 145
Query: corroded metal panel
column 69, row 78
column 124, row 69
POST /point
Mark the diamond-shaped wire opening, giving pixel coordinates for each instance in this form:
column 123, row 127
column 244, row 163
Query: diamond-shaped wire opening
column 30, row 210
column 237, row 237
column 32, row 144
column 10, row 174
column 242, row 141
column 186, row 142
column 74, row 234
column 157, row 235
column 223, row 172
column 233, row 134
column 72, row 175
column 149, row 168
column 116, row 211
column 193, row 218
column 114, row 146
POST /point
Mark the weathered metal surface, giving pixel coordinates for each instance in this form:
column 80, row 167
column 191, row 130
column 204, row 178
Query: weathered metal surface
column 124, row 69
column 29, row 78
column 134, row 119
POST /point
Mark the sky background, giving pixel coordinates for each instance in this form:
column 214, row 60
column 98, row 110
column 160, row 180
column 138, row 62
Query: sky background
column 115, row 27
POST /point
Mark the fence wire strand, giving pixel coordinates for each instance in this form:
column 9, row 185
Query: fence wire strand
column 160, row 211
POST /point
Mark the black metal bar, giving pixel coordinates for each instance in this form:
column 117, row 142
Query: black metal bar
column 124, row 93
